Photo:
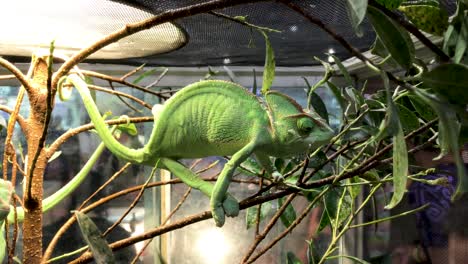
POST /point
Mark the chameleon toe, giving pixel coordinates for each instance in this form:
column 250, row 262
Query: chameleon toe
column 231, row 206
column 218, row 215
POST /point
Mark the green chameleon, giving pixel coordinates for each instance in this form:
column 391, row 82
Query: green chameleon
column 217, row 118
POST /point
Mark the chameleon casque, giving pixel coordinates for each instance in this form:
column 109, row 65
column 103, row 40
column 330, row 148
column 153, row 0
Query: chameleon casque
column 217, row 118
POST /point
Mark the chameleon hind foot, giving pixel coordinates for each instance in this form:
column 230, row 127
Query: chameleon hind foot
column 229, row 207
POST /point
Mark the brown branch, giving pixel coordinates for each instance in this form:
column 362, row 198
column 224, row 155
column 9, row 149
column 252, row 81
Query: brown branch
column 285, row 232
column 19, row 118
column 111, row 179
column 259, row 211
column 179, row 204
column 72, row 132
column 121, row 99
column 111, row 91
column 123, row 82
column 366, row 165
column 24, row 80
column 158, row 79
column 7, row 77
column 268, row 228
column 132, row 72
column 133, row 204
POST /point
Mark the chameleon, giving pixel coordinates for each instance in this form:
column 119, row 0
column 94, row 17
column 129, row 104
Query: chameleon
column 6, row 191
column 216, row 118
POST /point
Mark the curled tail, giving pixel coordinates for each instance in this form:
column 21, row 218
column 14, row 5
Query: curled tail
column 121, row 151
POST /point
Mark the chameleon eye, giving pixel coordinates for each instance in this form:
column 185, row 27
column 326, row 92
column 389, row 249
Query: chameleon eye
column 305, row 125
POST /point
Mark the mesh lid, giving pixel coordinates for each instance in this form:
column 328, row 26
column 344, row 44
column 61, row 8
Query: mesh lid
column 209, row 40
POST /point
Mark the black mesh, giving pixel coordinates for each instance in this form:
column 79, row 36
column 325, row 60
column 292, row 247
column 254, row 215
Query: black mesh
column 213, row 39
column 217, row 41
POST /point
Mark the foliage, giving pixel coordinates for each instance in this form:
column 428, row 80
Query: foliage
column 420, row 101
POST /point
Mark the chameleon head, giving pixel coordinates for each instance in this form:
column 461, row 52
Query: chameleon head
column 295, row 131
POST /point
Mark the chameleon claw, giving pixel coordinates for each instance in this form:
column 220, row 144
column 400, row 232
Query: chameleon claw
column 218, row 215
column 231, row 206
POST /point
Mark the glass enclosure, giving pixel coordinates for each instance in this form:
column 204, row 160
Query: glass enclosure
column 437, row 233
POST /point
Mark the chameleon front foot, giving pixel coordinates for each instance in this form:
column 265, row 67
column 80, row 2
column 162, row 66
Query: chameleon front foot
column 229, row 207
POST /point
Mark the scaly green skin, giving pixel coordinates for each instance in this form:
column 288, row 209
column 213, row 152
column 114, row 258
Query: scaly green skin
column 217, row 118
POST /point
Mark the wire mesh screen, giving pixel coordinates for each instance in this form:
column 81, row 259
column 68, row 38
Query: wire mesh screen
column 217, row 41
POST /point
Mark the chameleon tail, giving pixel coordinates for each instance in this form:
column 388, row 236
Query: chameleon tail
column 58, row 196
column 121, row 151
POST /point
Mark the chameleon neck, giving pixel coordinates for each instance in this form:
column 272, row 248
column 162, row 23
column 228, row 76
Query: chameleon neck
column 121, row 151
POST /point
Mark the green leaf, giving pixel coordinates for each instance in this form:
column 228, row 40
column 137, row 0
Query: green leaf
column 128, row 128
column 210, row 73
column 395, row 39
column 448, row 138
column 97, row 244
column 145, row 74
column 312, row 253
column 391, row 122
column 324, row 221
column 379, row 49
column 251, row 215
column 251, row 164
column 317, row 102
column 462, row 40
column 54, row 156
column 343, row 70
column 6, row 192
column 422, row 108
column 338, row 205
column 354, row 190
column 450, row 81
column 408, row 119
column 356, row 13
column 338, row 95
column 3, row 245
column 292, row 259
column 390, row 4
column 431, row 19
column 289, row 215
column 269, row 69
column 400, row 168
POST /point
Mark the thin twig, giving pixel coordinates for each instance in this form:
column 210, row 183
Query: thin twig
column 290, row 228
column 157, row 79
column 259, row 211
column 134, row 202
column 19, row 118
column 111, row 179
column 122, row 94
column 72, row 132
column 268, row 228
column 121, row 99
column 24, row 80
column 132, row 72
column 118, row 80
column 177, row 207
column 7, row 77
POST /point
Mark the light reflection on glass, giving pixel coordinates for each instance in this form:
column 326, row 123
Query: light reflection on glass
column 213, row 246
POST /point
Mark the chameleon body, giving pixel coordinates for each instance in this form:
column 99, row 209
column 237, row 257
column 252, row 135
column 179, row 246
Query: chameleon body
column 217, row 118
